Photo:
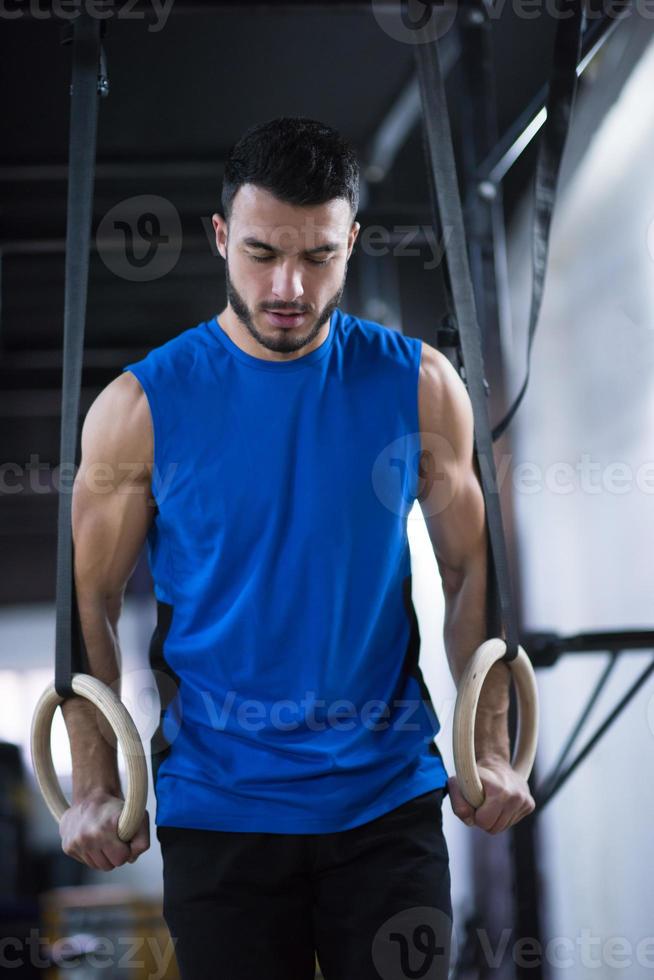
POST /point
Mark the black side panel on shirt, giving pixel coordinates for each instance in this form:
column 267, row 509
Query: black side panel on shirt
column 411, row 657
column 167, row 683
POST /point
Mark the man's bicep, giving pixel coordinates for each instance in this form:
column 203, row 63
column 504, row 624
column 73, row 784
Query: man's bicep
column 109, row 529
column 112, row 502
column 458, row 532
column 450, row 496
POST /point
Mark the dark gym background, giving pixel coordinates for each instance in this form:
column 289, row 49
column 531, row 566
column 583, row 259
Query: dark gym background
column 180, row 95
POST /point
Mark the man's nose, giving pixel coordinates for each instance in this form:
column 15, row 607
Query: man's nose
column 287, row 282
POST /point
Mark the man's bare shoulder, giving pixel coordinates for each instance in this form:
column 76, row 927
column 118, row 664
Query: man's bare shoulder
column 443, row 400
column 118, row 425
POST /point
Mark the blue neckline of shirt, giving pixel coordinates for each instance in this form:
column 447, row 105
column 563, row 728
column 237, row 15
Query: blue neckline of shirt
column 263, row 363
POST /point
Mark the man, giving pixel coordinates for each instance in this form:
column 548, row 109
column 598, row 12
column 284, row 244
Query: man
column 270, row 456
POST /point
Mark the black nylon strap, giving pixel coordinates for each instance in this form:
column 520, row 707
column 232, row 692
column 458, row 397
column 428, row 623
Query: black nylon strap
column 443, row 179
column 553, row 135
column 441, row 153
column 81, row 162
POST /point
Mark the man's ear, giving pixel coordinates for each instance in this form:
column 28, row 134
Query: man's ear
column 354, row 231
column 221, row 231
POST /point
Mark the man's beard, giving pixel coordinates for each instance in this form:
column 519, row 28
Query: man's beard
column 288, row 341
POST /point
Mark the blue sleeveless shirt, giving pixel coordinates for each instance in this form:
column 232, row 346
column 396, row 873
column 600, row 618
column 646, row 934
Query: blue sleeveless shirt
column 286, row 648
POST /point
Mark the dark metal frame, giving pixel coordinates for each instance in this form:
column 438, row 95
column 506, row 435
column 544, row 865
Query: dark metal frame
column 546, row 649
column 482, row 195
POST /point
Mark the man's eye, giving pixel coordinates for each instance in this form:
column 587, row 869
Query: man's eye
column 269, row 258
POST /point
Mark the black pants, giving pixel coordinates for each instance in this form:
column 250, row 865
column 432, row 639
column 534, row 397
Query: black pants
column 373, row 902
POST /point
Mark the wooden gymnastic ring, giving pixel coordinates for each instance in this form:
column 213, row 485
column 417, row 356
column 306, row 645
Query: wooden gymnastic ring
column 128, row 737
column 465, row 713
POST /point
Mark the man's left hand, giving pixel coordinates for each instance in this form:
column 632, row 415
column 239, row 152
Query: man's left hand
column 506, row 798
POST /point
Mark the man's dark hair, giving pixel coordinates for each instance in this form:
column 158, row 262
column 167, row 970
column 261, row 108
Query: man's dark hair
column 300, row 161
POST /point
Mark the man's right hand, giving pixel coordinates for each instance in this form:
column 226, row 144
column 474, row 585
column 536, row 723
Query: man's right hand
column 89, row 833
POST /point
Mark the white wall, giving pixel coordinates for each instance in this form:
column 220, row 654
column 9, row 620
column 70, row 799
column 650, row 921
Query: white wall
column 586, row 547
column 429, row 605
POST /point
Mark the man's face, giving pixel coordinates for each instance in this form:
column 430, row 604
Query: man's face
column 283, row 258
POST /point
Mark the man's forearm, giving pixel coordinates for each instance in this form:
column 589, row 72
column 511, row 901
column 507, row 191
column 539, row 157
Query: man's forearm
column 92, row 742
column 464, row 631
